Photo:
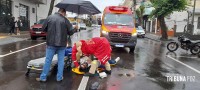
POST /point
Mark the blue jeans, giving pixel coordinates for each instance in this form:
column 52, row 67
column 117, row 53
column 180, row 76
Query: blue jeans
column 50, row 51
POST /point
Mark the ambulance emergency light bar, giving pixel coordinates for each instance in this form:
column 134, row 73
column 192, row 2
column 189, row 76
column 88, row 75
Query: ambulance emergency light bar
column 117, row 8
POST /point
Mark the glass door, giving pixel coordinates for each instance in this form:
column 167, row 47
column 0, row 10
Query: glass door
column 24, row 16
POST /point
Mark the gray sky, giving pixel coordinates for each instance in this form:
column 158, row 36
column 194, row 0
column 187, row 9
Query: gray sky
column 101, row 4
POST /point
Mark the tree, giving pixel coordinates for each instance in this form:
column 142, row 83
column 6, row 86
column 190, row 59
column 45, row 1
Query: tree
column 164, row 8
column 51, row 7
column 139, row 13
column 134, row 3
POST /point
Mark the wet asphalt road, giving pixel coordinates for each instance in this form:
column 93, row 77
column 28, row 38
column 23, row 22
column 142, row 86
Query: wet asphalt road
column 146, row 69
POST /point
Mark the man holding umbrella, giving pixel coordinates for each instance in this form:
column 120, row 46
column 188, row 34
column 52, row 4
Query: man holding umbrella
column 58, row 28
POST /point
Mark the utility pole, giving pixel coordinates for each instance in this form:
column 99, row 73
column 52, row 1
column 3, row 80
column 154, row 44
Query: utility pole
column 134, row 11
column 193, row 16
column 36, row 13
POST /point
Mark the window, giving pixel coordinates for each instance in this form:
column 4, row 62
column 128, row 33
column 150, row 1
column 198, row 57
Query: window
column 198, row 23
column 118, row 19
column 41, row 21
column 33, row 10
column 5, row 11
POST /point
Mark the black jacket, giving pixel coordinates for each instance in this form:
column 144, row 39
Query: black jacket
column 58, row 28
column 19, row 23
column 12, row 22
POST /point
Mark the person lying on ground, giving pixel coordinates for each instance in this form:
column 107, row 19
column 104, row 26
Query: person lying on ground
column 97, row 46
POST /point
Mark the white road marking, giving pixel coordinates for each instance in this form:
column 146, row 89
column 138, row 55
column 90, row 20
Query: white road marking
column 21, row 50
column 185, row 56
column 83, row 83
column 1, row 56
column 197, row 71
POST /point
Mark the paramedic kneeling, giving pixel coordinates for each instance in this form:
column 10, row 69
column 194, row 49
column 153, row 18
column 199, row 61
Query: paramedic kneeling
column 99, row 47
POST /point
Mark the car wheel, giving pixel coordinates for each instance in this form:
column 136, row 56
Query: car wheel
column 33, row 38
column 198, row 55
column 132, row 49
column 28, row 72
column 44, row 38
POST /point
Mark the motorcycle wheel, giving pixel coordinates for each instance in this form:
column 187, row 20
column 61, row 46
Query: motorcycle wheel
column 172, row 46
column 195, row 50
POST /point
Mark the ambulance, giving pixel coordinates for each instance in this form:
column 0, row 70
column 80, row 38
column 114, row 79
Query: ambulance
column 118, row 27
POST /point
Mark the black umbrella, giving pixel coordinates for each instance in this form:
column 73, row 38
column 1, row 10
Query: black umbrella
column 78, row 6
column 90, row 5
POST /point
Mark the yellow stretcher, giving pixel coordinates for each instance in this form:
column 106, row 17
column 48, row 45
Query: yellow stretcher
column 76, row 70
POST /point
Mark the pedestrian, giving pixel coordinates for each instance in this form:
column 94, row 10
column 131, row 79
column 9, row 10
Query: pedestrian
column 12, row 25
column 58, row 29
column 99, row 21
column 85, row 64
column 18, row 26
column 97, row 46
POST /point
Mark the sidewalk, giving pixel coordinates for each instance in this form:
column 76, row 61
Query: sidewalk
column 6, row 39
column 23, row 34
column 153, row 36
column 157, row 37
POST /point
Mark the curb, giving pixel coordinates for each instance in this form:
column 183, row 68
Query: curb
column 17, row 36
column 1, row 37
column 153, row 39
column 9, row 40
column 157, row 38
column 92, row 28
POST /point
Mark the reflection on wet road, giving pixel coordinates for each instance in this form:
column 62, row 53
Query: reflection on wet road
column 4, row 49
column 146, row 69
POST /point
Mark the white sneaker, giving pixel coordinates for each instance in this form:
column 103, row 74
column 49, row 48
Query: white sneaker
column 117, row 59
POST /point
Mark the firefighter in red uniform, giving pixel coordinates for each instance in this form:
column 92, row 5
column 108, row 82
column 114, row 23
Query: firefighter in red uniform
column 99, row 47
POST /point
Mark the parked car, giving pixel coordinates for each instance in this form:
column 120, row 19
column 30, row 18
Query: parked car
column 140, row 31
column 82, row 26
column 36, row 30
column 74, row 24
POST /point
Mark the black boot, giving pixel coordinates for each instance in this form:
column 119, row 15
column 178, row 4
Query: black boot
column 108, row 72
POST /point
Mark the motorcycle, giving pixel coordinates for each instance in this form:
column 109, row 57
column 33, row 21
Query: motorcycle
column 186, row 44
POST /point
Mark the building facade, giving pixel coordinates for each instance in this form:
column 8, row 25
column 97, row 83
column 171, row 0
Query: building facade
column 181, row 19
column 29, row 11
column 178, row 19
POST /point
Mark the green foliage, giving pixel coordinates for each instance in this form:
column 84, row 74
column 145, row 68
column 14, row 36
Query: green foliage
column 140, row 11
column 166, row 7
column 87, row 22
